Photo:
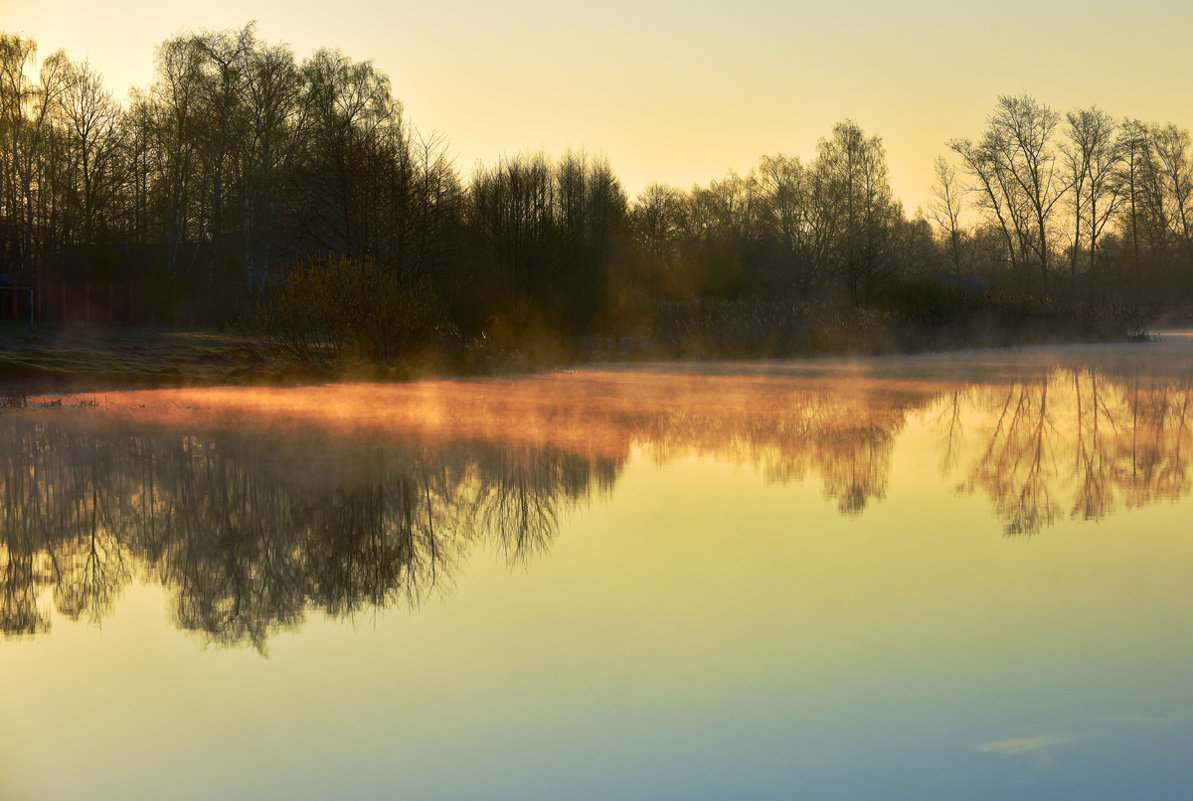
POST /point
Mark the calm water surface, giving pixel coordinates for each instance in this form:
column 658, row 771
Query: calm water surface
column 944, row 576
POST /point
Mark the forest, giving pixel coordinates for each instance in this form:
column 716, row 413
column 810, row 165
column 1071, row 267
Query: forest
column 294, row 198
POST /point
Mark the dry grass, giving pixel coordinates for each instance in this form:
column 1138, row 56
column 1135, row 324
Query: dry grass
column 13, row 398
column 69, row 357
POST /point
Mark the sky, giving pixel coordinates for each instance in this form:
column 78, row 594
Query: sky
column 683, row 92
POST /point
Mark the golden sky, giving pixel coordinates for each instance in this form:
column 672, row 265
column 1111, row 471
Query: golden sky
column 682, row 92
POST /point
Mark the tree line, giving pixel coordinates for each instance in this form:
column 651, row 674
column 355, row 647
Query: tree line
column 242, row 171
column 1079, row 203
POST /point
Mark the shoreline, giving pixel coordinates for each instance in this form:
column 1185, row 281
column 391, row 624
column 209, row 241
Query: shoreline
column 79, row 360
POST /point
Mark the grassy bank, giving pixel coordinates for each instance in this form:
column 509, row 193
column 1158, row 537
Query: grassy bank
column 67, row 359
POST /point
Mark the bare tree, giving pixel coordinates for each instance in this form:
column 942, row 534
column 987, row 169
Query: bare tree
column 356, row 142
column 945, row 207
column 92, row 127
column 1138, row 179
column 658, row 220
column 439, row 201
column 852, row 177
column 1015, row 170
column 175, row 106
column 1175, row 156
column 224, row 69
column 786, row 212
column 509, row 211
column 25, row 111
column 1092, row 153
column 278, row 120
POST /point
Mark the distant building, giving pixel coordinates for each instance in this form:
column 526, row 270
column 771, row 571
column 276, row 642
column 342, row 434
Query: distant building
column 966, row 281
column 15, row 301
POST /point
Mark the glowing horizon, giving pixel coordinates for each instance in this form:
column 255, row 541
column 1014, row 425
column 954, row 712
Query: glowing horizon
column 682, row 94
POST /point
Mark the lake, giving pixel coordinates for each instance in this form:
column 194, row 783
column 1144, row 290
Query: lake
column 926, row 577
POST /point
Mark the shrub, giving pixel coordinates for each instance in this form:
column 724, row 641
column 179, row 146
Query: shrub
column 335, row 310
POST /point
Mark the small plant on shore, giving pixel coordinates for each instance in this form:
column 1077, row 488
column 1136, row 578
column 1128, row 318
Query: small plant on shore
column 12, row 398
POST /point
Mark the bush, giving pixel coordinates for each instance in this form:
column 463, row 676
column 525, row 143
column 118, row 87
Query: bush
column 336, row 310
column 928, row 302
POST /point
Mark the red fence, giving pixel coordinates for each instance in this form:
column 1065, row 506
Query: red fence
column 68, row 302
column 16, row 302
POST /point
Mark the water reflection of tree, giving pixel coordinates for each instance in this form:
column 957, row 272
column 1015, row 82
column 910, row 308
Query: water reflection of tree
column 857, row 468
column 249, row 530
column 1094, row 496
column 1159, row 426
column 949, row 420
column 1018, row 459
column 1101, row 440
column 847, row 441
column 57, row 530
column 516, row 503
column 248, row 533
column 19, row 610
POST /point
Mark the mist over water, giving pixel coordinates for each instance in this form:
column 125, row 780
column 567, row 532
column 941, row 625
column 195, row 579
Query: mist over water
column 938, row 576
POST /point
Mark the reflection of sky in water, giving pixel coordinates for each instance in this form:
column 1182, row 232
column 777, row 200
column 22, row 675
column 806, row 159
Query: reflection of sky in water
column 711, row 627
